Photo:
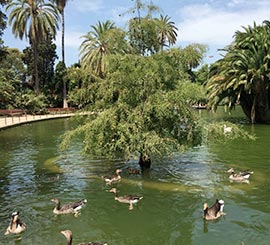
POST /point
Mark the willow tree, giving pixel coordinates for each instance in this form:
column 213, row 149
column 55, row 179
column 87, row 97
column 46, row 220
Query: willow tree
column 34, row 20
column 141, row 110
column 243, row 74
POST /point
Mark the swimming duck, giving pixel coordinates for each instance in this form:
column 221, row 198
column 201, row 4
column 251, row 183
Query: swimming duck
column 213, row 212
column 16, row 225
column 133, row 171
column 54, row 178
column 241, row 176
column 72, row 207
column 68, row 235
column 130, row 199
column 227, row 129
column 114, row 178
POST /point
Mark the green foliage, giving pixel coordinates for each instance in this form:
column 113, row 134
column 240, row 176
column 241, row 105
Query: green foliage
column 193, row 55
column 142, row 108
column 143, row 36
column 32, row 103
column 14, row 91
column 193, row 93
column 149, row 36
column 102, row 40
column 166, row 31
column 202, row 74
column 34, row 20
column 83, row 86
column 12, row 79
column 2, row 27
column 46, row 61
column 243, row 74
column 7, row 91
column 54, row 89
column 215, row 132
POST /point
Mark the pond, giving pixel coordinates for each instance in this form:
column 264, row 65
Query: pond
column 173, row 192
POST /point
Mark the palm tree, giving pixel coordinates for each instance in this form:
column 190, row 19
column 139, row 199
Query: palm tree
column 167, row 31
column 34, row 20
column 61, row 4
column 243, row 74
column 102, row 40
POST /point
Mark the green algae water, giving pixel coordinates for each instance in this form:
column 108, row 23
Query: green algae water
column 173, row 192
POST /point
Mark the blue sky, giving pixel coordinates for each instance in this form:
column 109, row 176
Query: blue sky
column 210, row 22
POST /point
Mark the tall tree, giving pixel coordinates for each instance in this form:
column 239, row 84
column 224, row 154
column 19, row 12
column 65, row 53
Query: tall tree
column 3, row 18
column 142, row 111
column 192, row 56
column 142, row 29
column 46, row 62
column 33, row 19
column 242, row 76
column 143, row 36
column 102, row 40
column 61, row 4
column 12, row 79
column 166, row 31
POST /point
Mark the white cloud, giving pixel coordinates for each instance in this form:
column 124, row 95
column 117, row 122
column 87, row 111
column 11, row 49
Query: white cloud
column 86, row 5
column 72, row 39
column 205, row 23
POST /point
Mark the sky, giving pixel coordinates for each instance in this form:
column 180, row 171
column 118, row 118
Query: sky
column 209, row 22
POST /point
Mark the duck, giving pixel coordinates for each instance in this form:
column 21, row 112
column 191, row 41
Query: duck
column 226, row 129
column 129, row 199
column 72, row 207
column 15, row 226
column 54, row 178
column 113, row 178
column 68, row 235
column 213, row 212
column 241, row 176
column 133, row 171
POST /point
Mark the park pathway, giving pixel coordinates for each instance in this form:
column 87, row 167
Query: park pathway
column 9, row 121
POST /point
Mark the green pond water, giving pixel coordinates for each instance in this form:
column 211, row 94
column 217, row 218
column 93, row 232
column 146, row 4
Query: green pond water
column 174, row 192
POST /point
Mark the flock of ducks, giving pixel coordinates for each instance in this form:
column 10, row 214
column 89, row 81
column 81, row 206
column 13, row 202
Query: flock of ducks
column 16, row 226
column 128, row 199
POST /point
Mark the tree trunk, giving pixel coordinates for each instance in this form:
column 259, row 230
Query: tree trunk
column 36, row 86
column 65, row 104
column 253, row 111
column 257, row 108
column 144, row 161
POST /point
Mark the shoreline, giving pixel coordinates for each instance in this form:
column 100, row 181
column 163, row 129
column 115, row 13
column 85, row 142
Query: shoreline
column 11, row 121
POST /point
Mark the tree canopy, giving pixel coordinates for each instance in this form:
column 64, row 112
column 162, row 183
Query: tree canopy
column 137, row 89
column 141, row 108
column 102, row 40
column 243, row 74
column 2, row 27
column 34, row 20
